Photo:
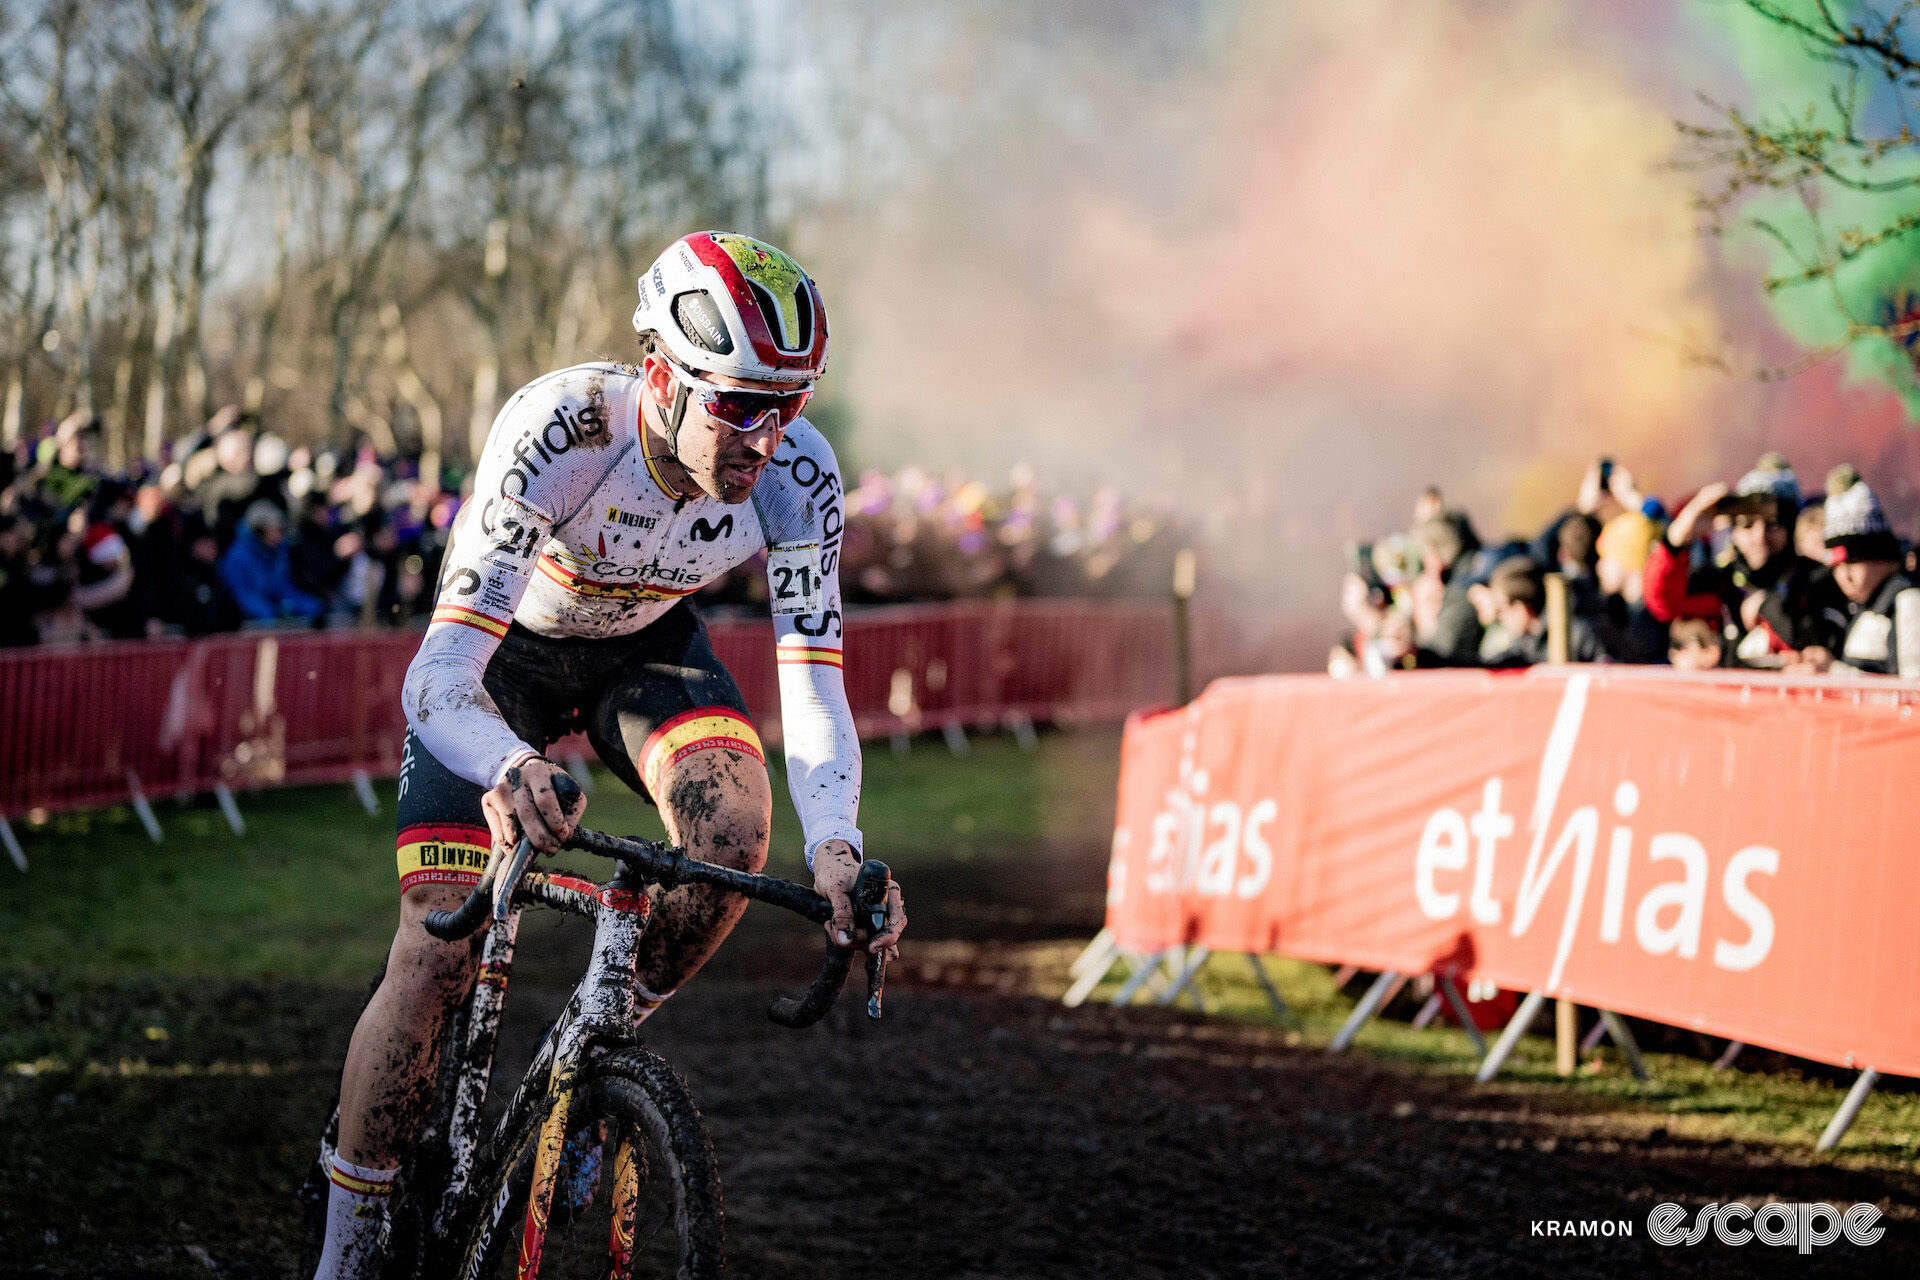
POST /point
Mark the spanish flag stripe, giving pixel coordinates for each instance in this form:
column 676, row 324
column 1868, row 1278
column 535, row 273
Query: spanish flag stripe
column 446, row 833
column 702, row 729
column 359, row 1186
column 794, row 653
column 468, row 618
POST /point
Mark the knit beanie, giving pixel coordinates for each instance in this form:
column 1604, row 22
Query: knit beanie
column 1772, row 478
column 1857, row 527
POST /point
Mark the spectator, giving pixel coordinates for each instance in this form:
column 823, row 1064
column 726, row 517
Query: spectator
column 17, row 594
column 1446, row 627
column 201, row 604
column 1520, row 595
column 103, row 586
column 1693, row 644
column 1759, row 591
column 256, row 569
column 1627, row 631
column 1882, row 604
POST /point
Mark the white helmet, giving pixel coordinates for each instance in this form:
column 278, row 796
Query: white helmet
column 729, row 304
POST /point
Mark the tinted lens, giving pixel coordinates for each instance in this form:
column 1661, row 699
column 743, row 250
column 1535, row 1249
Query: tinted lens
column 744, row 409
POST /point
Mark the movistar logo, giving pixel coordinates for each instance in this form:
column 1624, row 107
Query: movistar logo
column 704, row 532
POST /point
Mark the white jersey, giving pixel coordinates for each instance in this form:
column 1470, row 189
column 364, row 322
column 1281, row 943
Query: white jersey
column 572, row 532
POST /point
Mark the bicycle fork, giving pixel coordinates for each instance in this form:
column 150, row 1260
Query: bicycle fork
column 602, row 1005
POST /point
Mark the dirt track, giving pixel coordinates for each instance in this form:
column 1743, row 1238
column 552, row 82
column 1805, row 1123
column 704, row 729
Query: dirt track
column 974, row 1134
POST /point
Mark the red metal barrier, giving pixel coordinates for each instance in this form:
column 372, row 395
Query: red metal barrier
column 78, row 726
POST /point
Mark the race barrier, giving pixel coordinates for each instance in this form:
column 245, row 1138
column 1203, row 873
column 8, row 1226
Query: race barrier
column 1732, row 855
column 107, row 724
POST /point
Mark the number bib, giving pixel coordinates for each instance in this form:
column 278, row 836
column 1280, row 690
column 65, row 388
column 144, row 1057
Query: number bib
column 793, row 573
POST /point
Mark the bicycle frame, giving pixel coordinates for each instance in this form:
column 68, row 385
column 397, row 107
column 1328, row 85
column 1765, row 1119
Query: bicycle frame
column 602, row 1007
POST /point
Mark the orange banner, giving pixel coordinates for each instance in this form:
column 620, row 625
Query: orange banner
column 1734, row 857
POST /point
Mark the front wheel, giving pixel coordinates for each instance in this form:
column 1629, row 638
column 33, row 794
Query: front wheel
column 637, row 1194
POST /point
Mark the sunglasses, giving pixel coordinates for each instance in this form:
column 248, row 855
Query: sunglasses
column 741, row 409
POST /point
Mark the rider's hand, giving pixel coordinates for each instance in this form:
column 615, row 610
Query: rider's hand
column 524, row 801
column 835, row 865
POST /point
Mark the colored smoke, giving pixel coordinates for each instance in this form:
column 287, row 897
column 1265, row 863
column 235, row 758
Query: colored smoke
column 1285, row 265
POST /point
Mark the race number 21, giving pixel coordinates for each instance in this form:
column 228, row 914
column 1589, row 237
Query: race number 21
column 794, row 575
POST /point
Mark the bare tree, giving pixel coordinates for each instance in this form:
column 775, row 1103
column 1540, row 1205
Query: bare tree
column 1829, row 179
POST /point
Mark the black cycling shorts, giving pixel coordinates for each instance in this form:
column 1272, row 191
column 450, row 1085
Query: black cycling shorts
column 644, row 701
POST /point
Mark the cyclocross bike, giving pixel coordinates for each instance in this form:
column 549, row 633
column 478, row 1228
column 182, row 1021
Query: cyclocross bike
column 532, row 1200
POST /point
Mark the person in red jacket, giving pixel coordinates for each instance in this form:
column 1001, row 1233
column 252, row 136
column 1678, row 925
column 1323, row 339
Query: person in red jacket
column 1758, row 591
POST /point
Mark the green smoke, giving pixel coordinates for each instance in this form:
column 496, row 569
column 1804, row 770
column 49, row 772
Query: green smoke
column 1789, row 84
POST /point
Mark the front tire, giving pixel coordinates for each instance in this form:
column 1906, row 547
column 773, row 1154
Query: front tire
column 655, row 1141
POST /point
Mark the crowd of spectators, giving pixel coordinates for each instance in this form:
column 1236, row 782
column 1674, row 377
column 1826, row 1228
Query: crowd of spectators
column 1757, row 575
column 238, row 529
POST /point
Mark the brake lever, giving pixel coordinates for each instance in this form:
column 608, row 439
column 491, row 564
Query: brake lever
column 870, row 899
column 567, row 792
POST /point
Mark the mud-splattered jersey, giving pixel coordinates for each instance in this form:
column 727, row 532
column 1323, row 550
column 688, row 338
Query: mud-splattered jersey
column 571, row 532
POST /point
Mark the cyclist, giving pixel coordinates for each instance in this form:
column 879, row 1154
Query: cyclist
column 605, row 495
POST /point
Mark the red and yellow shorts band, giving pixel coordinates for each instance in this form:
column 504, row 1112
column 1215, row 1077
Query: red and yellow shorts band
column 789, row 655
column 443, row 853
column 702, row 729
column 495, row 627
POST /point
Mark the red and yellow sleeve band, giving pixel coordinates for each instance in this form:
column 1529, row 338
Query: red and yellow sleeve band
column 793, row 655
column 495, row 627
column 702, row 729
column 442, row 853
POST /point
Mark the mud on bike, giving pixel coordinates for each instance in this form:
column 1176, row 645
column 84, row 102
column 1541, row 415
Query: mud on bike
column 601, row 1163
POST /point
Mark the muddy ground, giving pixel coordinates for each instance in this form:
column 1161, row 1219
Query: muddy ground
column 974, row 1134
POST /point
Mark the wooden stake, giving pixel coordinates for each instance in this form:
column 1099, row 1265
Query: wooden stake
column 1566, row 1045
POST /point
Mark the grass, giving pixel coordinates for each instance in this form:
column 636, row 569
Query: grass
column 1685, row 1095
column 309, row 892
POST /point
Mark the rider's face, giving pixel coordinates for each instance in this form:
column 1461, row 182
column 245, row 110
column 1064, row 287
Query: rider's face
column 724, row 462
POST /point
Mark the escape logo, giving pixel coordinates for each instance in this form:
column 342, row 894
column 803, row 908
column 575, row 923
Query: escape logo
column 1804, row 1226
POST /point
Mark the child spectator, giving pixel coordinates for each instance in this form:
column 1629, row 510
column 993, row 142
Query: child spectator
column 1882, row 603
column 1520, row 601
column 1694, row 645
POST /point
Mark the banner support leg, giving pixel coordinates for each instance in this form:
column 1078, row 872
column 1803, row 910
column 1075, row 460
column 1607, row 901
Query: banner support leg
column 363, row 788
column 1516, row 1027
column 228, row 809
column 1149, row 965
column 1843, row 1118
column 1428, row 1012
column 1101, row 945
column 1728, row 1054
column 1023, row 734
column 1623, row 1040
column 1451, row 990
column 1595, row 1034
column 956, row 738
column 1266, row 984
column 577, row 766
column 14, row 850
column 1196, row 956
column 1093, row 965
column 144, row 810
column 1370, row 1003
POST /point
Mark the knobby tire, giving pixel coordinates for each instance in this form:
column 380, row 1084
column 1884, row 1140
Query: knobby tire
column 644, row 1102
